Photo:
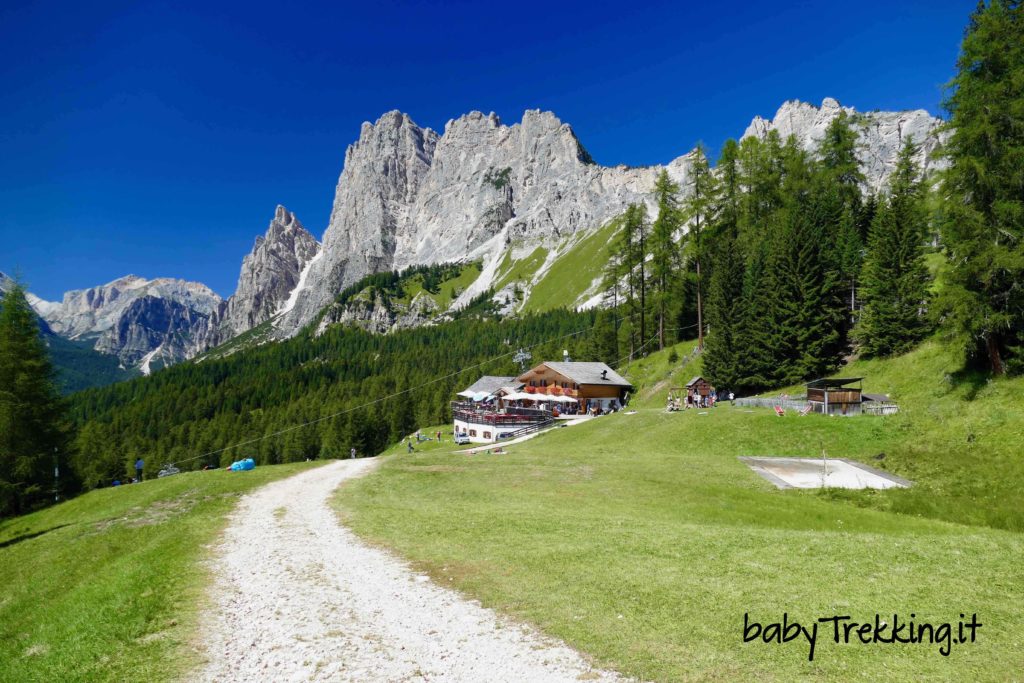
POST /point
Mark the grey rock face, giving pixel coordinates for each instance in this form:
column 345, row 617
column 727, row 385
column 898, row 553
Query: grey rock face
column 882, row 134
column 407, row 196
column 132, row 317
column 153, row 329
column 270, row 273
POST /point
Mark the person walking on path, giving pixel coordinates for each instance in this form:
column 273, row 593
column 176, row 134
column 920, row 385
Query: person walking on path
column 352, row 453
column 139, row 464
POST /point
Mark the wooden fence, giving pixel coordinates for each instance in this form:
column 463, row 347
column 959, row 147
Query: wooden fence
column 777, row 402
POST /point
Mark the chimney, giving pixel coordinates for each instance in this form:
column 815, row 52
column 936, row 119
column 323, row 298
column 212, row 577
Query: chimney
column 565, row 355
column 604, row 374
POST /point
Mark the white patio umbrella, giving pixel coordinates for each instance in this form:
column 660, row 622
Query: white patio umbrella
column 522, row 396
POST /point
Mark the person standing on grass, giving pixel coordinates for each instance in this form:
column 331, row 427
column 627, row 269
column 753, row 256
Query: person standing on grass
column 439, row 436
column 408, row 442
column 138, row 469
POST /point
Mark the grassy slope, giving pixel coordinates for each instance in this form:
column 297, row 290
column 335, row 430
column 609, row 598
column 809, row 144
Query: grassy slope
column 651, row 517
column 516, row 271
column 572, row 274
column 107, row 586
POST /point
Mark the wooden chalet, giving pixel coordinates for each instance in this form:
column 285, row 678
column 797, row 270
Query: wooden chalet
column 836, row 396
column 593, row 385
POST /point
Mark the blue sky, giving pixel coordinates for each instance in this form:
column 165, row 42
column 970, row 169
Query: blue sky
column 157, row 138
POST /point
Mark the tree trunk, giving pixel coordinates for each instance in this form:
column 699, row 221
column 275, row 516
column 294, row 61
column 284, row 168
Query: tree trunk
column 994, row 356
column 643, row 296
column 700, row 311
column 661, row 317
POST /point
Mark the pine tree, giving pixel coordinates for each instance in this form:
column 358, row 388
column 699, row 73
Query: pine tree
column 664, row 252
column 895, row 276
column 698, row 212
column 841, row 174
column 723, row 355
column 759, row 338
column 33, row 432
column 628, row 265
column 837, row 153
column 983, row 227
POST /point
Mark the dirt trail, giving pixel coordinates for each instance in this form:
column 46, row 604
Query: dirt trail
column 297, row 597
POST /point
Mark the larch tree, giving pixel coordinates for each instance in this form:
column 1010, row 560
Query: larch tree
column 665, row 261
column 697, row 214
column 983, row 216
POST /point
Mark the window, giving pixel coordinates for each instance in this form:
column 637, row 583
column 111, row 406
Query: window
column 472, row 432
column 487, row 435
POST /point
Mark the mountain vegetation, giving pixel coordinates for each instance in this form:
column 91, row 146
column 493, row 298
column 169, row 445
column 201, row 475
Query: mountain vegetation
column 983, row 190
column 34, row 435
column 304, row 398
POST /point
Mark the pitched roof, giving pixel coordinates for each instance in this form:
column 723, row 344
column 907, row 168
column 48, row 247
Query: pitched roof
column 491, row 383
column 837, row 383
column 693, row 381
column 588, row 373
column 881, row 398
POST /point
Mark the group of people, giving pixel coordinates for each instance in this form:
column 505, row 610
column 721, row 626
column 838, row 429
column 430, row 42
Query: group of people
column 420, row 436
column 694, row 399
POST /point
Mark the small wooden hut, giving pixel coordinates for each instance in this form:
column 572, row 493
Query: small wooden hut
column 698, row 386
column 836, row 396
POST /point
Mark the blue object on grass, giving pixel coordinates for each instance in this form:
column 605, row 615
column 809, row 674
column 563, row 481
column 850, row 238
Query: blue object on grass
column 241, row 465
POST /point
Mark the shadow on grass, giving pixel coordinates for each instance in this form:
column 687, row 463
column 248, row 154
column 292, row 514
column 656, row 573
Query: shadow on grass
column 25, row 537
column 972, row 379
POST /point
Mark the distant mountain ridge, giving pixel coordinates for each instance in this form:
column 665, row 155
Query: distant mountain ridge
column 515, row 198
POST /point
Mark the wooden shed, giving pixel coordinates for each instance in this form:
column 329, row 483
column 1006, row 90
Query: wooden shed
column 836, row 396
column 698, row 386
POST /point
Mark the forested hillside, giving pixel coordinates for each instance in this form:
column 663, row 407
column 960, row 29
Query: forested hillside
column 197, row 408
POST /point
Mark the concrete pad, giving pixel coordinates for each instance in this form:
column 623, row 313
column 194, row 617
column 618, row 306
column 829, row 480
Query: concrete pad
column 814, row 473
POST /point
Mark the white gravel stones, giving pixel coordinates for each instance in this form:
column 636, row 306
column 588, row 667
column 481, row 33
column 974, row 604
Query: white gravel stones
column 297, row 597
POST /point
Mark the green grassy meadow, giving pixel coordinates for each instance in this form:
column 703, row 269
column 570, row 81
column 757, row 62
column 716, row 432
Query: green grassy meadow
column 107, row 586
column 643, row 541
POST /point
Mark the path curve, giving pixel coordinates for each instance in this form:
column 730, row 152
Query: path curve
column 298, row 597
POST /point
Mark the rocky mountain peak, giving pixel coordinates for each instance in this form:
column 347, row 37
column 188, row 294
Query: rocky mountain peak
column 269, row 274
column 881, row 134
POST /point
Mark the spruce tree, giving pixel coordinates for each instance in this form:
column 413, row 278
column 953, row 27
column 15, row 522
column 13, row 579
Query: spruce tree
column 33, row 432
column 723, row 355
column 983, row 228
column 896, row 279
column 837, row 153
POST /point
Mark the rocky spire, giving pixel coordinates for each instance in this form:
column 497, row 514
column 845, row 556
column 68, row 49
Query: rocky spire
column 270, row 273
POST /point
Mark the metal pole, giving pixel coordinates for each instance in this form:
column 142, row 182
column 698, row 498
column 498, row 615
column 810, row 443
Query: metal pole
column 56, row 477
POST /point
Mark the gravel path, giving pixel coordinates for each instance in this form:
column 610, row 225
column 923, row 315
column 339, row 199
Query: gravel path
column 297, row 597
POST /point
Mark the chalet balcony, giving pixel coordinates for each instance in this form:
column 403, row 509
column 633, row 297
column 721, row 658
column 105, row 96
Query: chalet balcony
column 510, row 416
